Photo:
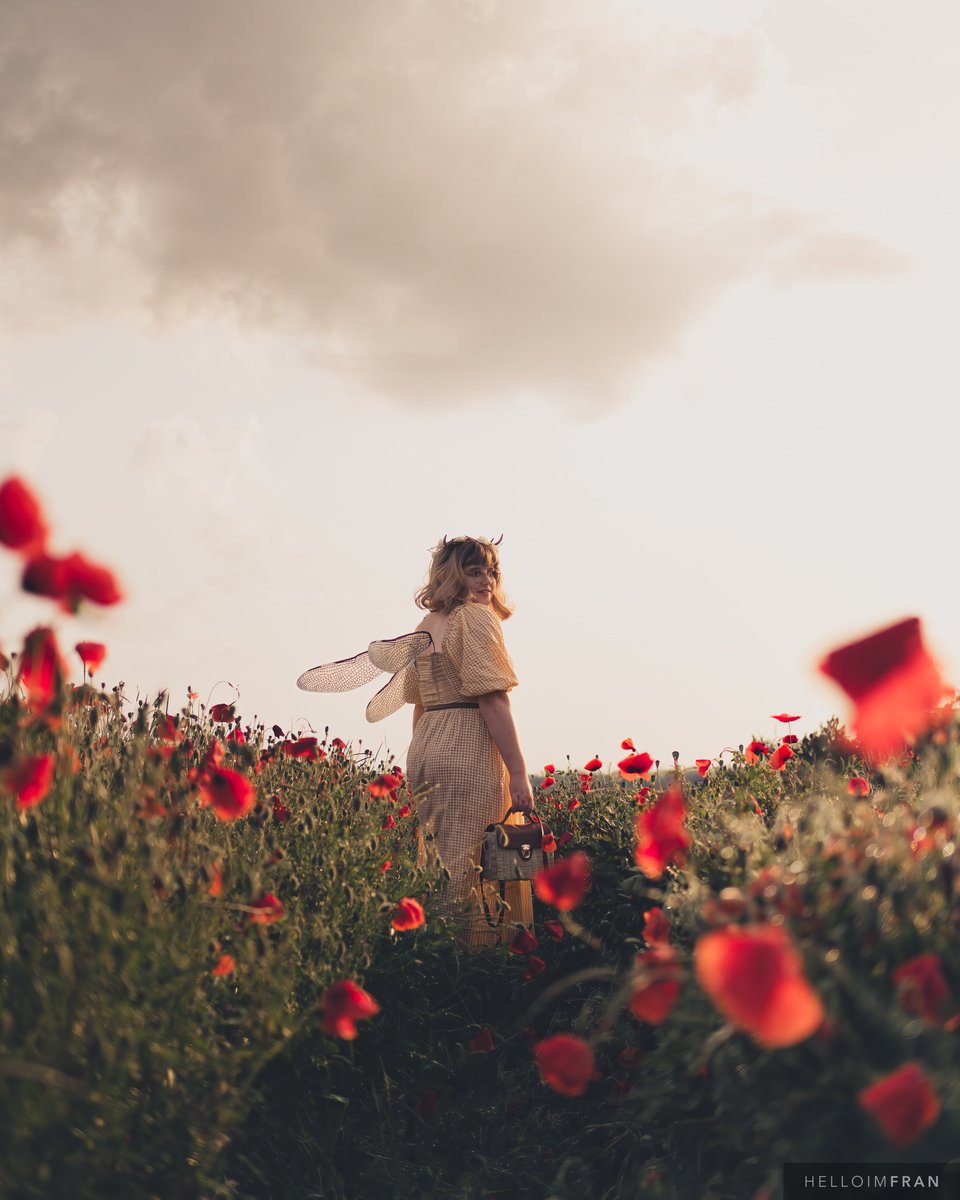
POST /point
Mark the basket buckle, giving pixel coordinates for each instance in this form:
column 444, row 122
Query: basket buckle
column 525, row 852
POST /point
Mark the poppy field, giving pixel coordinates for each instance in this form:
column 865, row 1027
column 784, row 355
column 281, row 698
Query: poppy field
column 220, row 974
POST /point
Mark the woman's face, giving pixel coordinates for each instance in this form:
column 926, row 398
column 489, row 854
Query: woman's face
column 481, row 582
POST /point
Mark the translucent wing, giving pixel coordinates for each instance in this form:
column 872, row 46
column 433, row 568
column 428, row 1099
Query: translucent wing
column 345, row 674
column 341, row 676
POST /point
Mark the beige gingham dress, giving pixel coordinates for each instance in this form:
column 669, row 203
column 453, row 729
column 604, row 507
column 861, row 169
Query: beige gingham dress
column 459, row 779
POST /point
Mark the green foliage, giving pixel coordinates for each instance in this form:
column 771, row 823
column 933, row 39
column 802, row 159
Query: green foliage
column 127, row 1068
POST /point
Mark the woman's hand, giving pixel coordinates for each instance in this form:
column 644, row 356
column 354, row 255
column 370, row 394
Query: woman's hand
column 521, row 793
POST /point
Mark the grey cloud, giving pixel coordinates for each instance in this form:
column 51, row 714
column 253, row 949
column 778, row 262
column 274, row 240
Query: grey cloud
column 449, row 200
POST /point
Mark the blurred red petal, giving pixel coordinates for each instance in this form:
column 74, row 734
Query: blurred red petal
column 754, row 976
column 91, row 654
column 342, row 1005
column 564, row 884
column 41, row 669
column 22, row 526
column 230, row 794
column 30, row 779
column 902, row 1103
column 267, row 910
column 894, row 683
column 661, row 839
column 565, row 1063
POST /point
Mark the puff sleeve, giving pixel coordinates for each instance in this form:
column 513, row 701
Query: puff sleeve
column 474, row 644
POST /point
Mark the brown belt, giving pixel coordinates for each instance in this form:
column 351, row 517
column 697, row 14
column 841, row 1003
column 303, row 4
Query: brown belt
column 456, row 704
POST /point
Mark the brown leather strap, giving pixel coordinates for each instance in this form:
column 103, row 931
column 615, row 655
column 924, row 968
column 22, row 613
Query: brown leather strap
column 456, row 704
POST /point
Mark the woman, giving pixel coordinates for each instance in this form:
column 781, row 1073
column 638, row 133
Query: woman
column 464, row 763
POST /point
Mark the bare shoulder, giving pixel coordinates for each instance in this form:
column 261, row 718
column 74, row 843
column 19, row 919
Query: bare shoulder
column 435, row 624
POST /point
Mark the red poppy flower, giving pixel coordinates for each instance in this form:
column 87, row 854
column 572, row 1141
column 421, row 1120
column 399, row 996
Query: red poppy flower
column 656, row 927
column 574, row 804
column 789, row 739
column 70, row 580
column 755, row 751
column 236, row 736
column 482, row 1042
column 703, row 765
column 593, row 765
column 902, row 1103
column 548, row 782
column 305, row 747
column 549, row 844
column 784, row 717
column 342, row 1005
column 268, row 909
column 754, row 976
column 383, row 785
column 658, row 984
column 566, row 1063
column 404, row 810
column 524, row 942
column 41, row 669
column 91, row 654
column 660, row 835
column 338, row 744
column 563, row 885
column 165, row 728
column 924, row 991
column 30, row 779
column 389, row 821
column 222, row 712
column 565, row 839
column 641, row 796
column 555, row 929
column 90, row 581
column 408, row 915
column 549, row 769
column 230, row 794
column 280, row 811
column 226, row 966
column 386, row 866
column 627, row 744
column 779, row 757
column 44, row 575
column 858, row 786
column 22, row 526
column 535, row 966
column 894, row 683
column 635, row 766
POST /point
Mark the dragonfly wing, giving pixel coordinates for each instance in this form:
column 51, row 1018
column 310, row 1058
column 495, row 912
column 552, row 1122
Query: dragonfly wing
column 341, row 676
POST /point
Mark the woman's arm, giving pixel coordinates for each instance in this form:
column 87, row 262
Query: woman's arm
column 495, row 710
column 417, row 714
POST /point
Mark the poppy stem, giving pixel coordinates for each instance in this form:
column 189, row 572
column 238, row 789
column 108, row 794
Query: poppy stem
column 564, row 985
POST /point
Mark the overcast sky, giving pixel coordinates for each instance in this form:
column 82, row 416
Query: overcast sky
column 664, row 293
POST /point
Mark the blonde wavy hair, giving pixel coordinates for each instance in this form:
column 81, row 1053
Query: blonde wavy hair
column 446, row 587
